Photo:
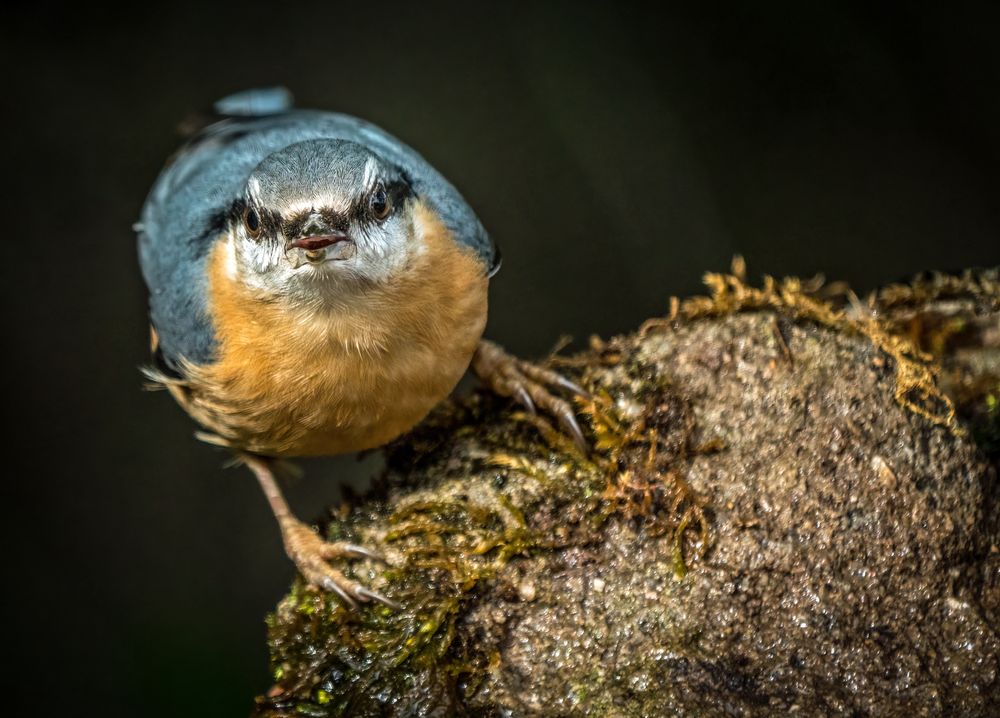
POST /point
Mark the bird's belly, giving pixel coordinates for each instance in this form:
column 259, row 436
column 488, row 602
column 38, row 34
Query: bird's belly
column 307, row 395
column 300, row 379
column 354, row 405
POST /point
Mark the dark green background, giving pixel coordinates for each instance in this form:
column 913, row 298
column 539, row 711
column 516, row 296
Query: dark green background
column 615, row 155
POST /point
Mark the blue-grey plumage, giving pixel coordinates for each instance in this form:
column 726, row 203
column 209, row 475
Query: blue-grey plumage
column 188, row 206
column 316, row 288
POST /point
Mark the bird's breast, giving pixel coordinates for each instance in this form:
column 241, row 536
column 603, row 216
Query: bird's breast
column 304, row 380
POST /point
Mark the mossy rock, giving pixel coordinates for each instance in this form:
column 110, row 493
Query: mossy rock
column 782, row 512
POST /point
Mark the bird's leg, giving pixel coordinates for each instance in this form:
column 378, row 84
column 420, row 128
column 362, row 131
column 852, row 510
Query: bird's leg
column 527, row 384
column 307, row 549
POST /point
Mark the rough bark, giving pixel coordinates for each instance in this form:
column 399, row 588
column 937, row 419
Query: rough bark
column 782, row 512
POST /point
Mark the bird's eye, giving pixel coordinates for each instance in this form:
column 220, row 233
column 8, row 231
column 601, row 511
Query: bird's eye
column 380, row 203
column 251, row 220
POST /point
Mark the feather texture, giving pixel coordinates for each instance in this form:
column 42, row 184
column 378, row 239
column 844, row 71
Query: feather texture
column 184, row 215
column 293, row 381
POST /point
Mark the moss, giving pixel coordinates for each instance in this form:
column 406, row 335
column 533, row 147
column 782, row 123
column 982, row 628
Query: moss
column 451, row 536
column 915, row 371
column 953, row 318
column 328, row 661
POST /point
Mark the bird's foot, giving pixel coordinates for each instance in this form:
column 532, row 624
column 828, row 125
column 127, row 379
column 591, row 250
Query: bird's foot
column 527, row 384
column 311, row 555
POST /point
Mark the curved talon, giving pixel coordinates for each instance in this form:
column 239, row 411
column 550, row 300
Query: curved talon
column 353, row 550
column 330, row 584
column 569, row 423
column 366, row 594
column 528, row 385
column 548, row 376
column 567, row 420
column 524, row 397
column 574, row 387
column 310, row 554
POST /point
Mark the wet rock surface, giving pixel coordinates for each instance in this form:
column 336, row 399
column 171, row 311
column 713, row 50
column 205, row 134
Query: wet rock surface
column 763, row 529
column 838, row 579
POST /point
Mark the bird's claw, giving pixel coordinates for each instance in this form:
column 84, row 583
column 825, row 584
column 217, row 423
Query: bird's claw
column 524, row 398
column 311, row 554
column 366, row 594
column 336, row 549
column 527, row 384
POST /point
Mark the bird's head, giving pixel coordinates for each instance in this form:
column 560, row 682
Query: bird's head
column 322, row 214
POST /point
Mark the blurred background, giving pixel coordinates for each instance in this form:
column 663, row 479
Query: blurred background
column 613, row 154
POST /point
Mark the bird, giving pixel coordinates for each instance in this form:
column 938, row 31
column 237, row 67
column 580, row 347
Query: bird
column 316, row 287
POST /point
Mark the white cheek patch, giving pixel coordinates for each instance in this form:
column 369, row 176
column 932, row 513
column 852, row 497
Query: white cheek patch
column 370, row 174
column 229, row 257
column 261, row 266
column 384, row 251
column 253, row 190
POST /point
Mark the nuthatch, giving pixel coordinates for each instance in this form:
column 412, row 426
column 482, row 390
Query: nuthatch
column 316, row 288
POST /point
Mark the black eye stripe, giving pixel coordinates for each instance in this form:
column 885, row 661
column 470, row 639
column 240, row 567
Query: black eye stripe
column 252, row 220
column 398, row 191
column 267, row 222
column 379, row 202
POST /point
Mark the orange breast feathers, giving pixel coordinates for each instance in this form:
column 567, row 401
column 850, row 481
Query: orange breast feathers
column 295, row 380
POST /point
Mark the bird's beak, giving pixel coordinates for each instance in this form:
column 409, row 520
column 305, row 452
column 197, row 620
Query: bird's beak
column 318, row 241
column 318, row 248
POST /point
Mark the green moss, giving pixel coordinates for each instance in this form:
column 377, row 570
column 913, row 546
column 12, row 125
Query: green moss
column 452, row 536
column 986, row 422
column 455, row 537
